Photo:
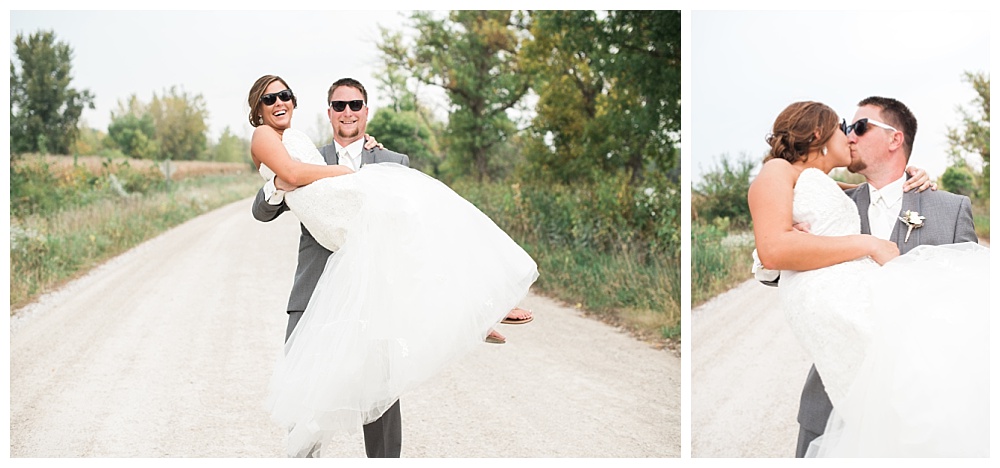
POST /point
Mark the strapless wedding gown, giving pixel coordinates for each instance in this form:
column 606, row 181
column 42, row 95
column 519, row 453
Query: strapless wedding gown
column 417, row 279
column 903, row 349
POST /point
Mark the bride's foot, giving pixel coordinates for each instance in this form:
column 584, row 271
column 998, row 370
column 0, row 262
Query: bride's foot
column 518, row 315
column 495, row 338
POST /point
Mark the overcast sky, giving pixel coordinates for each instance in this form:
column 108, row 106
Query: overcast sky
column 218, row 54
column 747, row 66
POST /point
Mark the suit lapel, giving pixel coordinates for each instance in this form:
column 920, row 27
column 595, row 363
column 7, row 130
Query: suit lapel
column 863, row 198
column 911, row 202
column 368, row 156
column 329, row 153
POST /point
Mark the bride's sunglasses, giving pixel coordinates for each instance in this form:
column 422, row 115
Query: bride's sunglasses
column 339, row 106
column 269, row 99
column 861, row 126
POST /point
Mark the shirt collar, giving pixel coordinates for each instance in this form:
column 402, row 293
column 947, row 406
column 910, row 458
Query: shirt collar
column 353, row 149
column 892, row 192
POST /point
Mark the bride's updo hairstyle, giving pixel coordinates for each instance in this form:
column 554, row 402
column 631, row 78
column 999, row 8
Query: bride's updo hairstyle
column 793, row 135
column 257, row 90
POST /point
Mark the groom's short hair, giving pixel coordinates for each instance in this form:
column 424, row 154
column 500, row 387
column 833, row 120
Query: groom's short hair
column 899, row 116
column 346, row 82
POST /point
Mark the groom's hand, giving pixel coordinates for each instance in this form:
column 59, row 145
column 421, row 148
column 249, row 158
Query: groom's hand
column 801, row 227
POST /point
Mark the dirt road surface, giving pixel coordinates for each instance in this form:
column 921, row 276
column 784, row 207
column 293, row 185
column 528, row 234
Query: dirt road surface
column 166, row 351
column 747, row 372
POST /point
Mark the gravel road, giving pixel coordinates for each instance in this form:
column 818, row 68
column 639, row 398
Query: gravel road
column 747, row 375
column 166, row 351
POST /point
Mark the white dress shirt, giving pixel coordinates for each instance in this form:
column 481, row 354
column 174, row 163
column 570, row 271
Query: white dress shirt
column 883, row 211
column 351, row 155
column 272, row 195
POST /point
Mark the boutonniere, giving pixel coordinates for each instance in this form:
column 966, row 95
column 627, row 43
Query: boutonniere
column 912, row 220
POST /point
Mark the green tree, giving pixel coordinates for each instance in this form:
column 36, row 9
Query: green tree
column 230, row 148
column 972, row 136
column 90, row 141
column 406, row 125
column 44, row 109
column 722, row 192
column 959, row 178
column 609, row 92
column 473, row 56
column 180, row 124
column 405, row 132
column 134, row 135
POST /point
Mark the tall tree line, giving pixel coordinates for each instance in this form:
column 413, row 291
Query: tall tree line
column 45, row 112
column 607, row 86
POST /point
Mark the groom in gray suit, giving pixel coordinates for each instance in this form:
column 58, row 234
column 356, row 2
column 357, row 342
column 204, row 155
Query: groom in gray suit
column 347, row 109
column 881, row 140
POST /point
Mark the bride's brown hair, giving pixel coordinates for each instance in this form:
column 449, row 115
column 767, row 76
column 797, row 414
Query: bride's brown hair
column 257, row 90
column 793, row 134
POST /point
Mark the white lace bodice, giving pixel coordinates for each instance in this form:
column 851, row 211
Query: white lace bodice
column 826, row 308
column 325, row 207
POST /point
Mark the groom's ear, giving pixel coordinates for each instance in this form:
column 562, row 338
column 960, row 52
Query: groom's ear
column 897, row 141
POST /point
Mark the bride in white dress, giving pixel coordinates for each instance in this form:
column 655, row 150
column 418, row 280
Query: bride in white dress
column 417, row 279
column 903, row 349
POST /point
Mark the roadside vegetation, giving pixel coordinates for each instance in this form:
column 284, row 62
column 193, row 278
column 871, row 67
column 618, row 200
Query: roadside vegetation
column 67, row 219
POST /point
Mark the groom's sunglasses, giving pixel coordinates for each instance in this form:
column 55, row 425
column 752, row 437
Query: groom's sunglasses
column 862, row 126
column 339, row 106
column 269, row 99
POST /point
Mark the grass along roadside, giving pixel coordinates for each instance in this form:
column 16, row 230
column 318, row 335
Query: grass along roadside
column 46, row 250
column 719, row 261
column 601, row 247
column 616, row 289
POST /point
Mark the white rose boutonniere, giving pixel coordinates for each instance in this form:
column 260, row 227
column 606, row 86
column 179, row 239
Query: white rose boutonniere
column 912, row 220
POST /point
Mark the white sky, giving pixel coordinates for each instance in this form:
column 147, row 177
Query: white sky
column 218, row 54
column 747, row 66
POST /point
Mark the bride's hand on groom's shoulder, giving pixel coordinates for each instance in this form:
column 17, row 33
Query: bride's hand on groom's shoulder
column 918, row 180
column 370, row 142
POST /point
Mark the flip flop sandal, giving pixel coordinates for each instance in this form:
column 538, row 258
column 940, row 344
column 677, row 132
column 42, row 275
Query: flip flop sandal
column 514, row 321
column 491, row 338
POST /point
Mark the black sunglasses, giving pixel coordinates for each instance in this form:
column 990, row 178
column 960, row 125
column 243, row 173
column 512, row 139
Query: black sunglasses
column 269, row 99
column 844, row 127
column 339, row 106
column 861, row 126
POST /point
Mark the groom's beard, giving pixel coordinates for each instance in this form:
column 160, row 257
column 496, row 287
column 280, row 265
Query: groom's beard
column 857, row 166
column 349, row 135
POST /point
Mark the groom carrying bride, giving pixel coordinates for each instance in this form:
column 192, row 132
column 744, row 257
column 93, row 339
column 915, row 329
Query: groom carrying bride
column 881, row 140
column 383, row 437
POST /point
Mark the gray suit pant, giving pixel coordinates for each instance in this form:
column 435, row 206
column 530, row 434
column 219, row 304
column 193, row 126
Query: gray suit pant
column 384, row 436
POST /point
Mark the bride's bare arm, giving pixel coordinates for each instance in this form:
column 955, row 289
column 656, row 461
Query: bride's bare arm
column 780, row 247
column 918, row 180
column 266, row 147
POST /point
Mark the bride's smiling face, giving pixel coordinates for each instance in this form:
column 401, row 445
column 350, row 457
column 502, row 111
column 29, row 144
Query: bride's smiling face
column 279, row 114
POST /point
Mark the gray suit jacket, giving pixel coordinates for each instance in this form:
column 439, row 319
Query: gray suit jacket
column 312, row 256
column 949, row 221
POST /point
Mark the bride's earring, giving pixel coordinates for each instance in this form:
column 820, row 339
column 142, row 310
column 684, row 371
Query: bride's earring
column 824, row 151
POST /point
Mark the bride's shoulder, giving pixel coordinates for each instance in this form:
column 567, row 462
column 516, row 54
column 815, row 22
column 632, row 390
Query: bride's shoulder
column 777, row 169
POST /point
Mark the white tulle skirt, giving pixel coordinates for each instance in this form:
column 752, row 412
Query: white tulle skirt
column 419, row 281
column 923, row 389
